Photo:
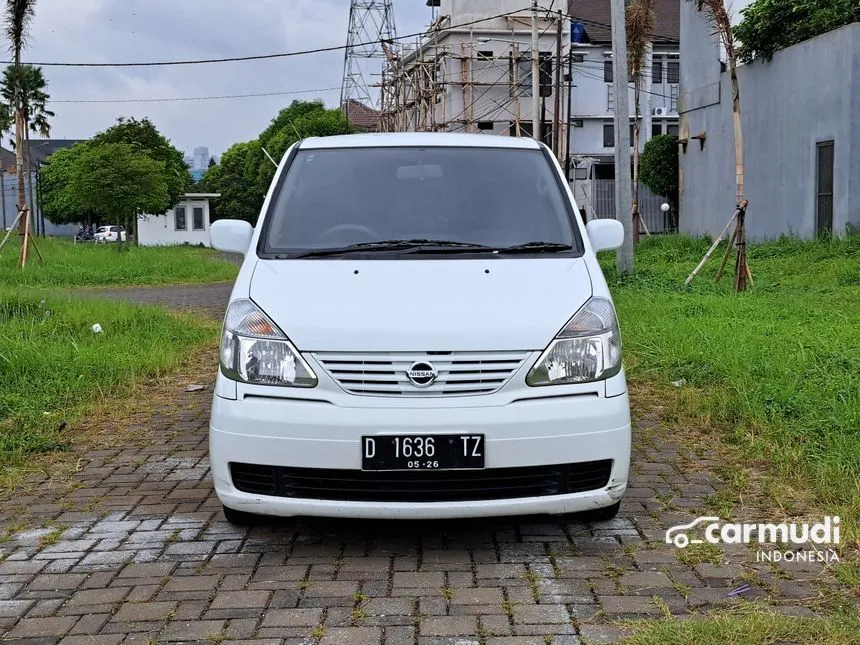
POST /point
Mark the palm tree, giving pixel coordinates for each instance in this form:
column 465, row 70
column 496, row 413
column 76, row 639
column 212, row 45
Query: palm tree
column 640, row 22
column 27, row 85
column 19, row 14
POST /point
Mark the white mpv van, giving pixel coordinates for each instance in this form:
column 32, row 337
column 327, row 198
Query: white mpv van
column 420, row 329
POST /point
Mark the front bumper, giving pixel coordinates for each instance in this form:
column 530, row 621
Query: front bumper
column 319, row 434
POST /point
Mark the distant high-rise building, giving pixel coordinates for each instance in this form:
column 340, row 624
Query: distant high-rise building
column 201, row 158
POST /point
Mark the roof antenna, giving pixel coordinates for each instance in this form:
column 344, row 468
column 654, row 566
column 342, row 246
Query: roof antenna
column 265, row 152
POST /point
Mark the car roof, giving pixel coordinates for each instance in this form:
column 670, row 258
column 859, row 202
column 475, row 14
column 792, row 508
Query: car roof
column 409, row 139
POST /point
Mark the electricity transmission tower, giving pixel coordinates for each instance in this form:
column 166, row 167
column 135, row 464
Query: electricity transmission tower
column 371, row 23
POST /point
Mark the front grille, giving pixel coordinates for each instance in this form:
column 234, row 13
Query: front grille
column 426, row 486
column 384, row 373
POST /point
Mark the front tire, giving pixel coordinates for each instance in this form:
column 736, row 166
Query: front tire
column 240, row 518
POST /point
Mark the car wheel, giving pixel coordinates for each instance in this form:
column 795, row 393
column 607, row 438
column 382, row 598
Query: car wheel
column 601, row 514
column 240, row 518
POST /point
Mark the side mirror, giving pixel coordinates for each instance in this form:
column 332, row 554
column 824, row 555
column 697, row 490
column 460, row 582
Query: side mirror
column 231, row 235
column 605, row 234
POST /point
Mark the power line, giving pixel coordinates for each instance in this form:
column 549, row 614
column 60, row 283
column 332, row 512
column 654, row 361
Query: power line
column 195, row 98
column 304, row 52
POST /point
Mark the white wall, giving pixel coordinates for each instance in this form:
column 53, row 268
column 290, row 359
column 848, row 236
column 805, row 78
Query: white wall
column 156, row 230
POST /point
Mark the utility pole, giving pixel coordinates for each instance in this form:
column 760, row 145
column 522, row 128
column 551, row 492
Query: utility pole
column 568, row 131
column 3, row 191
column 536, row 124
column 623, row 180
column 556, row 114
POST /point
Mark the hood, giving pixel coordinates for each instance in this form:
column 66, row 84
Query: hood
column 421, row 305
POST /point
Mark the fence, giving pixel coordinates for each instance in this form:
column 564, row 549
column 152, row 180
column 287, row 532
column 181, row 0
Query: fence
column 603, row 205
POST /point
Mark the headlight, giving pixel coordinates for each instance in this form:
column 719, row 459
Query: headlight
column 587, row 349
column 254, row 350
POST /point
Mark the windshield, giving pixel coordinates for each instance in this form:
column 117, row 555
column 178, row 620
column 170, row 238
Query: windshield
column 486, row 197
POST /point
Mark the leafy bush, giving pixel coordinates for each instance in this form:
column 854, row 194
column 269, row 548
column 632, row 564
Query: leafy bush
column 771, row 25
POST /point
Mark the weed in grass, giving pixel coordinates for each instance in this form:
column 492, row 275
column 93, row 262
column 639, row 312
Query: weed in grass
column 700, row 554
column 848, row 574
column 661, row 606
column 508, row 608
column 746, row 625
column 317, row 632
column 360, row 597
column 357, row 615
column 49, row 539
column 532, row 581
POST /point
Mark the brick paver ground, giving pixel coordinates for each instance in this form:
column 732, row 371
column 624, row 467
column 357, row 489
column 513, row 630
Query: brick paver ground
column 137, row 550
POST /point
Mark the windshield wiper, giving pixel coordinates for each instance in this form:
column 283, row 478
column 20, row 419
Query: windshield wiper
column 535, row 247
column 419, row 245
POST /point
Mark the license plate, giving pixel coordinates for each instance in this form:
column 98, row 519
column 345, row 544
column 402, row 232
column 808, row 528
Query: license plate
column 423, row 452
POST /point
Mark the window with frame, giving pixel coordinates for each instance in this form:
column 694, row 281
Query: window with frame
column 485, row 54
column 657, row 71
column 180, row 219
column 608, row 135
column 485, row 125
column 607, row 71
column 673, row 72
column 197, row 222
column 672, row 128
column 656, row 128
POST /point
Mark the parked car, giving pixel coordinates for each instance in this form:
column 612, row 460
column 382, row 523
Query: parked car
column 419, row 329
column 109, row 233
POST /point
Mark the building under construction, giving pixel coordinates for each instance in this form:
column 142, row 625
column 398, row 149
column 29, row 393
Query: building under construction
column 472, row 72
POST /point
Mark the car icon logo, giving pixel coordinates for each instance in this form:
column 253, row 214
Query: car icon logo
column 676, row 534
column 421, row 374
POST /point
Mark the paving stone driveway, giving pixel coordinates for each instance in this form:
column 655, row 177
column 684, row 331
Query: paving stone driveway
column 137, row 551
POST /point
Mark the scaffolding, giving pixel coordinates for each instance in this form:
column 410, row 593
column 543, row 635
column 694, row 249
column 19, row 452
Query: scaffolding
column 447, row 81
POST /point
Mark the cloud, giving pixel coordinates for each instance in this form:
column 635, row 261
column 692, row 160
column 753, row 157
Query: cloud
column 150, row 30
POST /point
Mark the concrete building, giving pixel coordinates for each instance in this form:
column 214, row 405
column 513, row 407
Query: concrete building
column 592, row 129
column 799, row 114
column 185, row 223
column 200, row 158
column 475, row 78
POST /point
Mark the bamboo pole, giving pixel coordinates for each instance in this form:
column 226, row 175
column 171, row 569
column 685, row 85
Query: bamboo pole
column 713, row 246
column 9, row 232
column 726, row 254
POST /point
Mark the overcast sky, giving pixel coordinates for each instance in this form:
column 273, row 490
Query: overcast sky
column 154, row 30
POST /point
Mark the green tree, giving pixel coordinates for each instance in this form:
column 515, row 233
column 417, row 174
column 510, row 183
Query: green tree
column 119, row 182
column 143, row 135
column 240, row 198
column 59, row 203
column 659, row 168
column 245, row 173
column 771, row 25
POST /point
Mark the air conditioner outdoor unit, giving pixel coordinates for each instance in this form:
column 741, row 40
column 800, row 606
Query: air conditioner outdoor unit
column 661, row 111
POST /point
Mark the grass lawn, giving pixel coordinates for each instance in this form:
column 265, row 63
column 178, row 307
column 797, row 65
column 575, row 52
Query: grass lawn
column 779, row 365
column 54, row 368
column 748, row 627
column 89, row 265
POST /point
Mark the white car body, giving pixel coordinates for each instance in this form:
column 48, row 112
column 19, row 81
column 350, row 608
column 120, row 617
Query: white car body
column 107, row 234
column 332, row 310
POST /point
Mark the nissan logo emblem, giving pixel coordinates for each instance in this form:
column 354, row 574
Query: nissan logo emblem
column 421, row 374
